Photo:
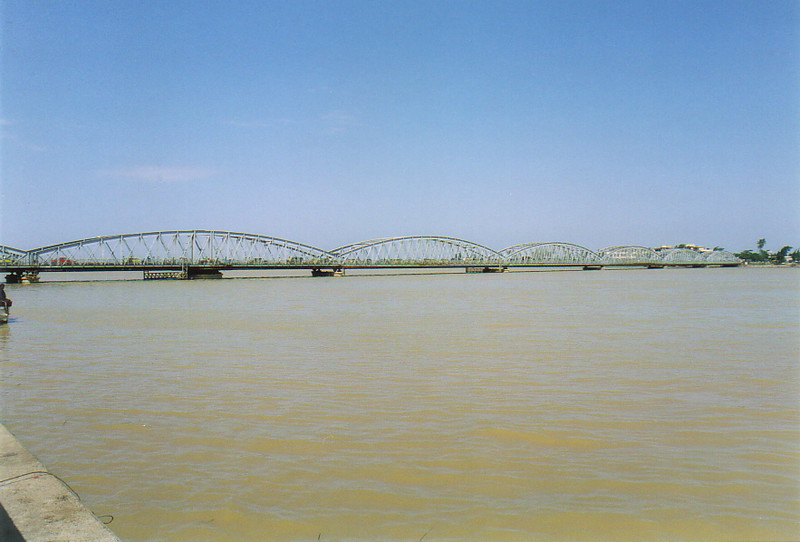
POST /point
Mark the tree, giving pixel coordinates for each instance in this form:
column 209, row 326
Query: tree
column 762, row 255
column 780, row 256
column 750, row 256
column 717, row 248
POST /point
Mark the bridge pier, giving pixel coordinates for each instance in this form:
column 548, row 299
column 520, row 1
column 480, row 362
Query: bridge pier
column 487, row 269
column 22, row 277
column 334, row 272
column 164, row 275
column 183, row 274
column 194, row 273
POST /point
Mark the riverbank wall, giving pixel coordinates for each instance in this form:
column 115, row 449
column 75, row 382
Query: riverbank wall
column 36, row 505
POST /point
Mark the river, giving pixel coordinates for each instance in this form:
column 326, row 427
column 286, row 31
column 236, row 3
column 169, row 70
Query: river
column 550, row 405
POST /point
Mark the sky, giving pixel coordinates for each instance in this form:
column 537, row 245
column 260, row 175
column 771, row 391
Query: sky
column 330, row 122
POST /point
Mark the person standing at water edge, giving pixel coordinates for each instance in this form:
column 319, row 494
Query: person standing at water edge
column 4, row 301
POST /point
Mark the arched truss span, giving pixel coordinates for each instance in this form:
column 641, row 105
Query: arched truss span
column 549, row 253
column 720, row 257
column 622, row 255
column 417, row 250
column 242, row 250
column 680, row 256
column 179, row 247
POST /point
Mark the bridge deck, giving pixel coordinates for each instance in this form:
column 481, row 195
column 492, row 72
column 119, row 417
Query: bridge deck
column 206, row 251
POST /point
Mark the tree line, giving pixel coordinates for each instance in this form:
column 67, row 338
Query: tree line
column 765, row 256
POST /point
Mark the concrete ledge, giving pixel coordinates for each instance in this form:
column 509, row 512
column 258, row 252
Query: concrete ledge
column 36, row 505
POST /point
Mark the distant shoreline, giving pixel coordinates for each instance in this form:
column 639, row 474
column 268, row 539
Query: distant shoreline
column 776, row 265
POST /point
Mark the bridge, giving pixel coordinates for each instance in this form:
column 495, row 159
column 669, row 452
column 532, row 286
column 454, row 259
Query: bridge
column 206, row 253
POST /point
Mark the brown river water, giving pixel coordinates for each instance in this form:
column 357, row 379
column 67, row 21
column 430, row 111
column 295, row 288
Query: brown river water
column 552, row 405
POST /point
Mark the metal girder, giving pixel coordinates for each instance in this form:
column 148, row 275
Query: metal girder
column 417, row 251
column 549, row 253
column 680, row 256
column 219, row 249
column 203, row 247
column 720, row 257
column 633, row 254
column 11, row 254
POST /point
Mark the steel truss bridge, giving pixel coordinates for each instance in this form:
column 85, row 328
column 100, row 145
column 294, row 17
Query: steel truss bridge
column 197, row 253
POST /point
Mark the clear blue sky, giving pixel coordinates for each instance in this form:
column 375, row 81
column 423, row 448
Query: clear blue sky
column 592, row 122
